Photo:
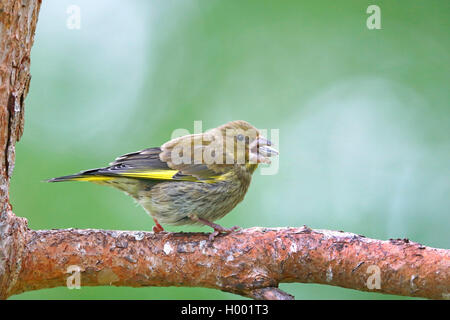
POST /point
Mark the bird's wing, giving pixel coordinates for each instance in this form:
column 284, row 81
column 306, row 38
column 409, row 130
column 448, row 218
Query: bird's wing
column 147, row 158
column 145, row 164
column 187, row 154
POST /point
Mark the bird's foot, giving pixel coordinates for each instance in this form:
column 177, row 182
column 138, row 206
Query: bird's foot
column 212, row 235
column 219, row 229
column 157, row 227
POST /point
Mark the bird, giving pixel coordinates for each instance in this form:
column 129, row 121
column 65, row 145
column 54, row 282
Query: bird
column 193, row 179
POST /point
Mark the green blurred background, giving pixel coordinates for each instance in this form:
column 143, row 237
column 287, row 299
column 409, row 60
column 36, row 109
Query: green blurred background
column 363, row 115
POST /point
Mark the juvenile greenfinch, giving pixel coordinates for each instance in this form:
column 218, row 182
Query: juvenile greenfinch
column 194, row 179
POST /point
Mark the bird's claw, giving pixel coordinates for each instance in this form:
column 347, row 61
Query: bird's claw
column 212, row 235
column 157, row 228
column 218, row 230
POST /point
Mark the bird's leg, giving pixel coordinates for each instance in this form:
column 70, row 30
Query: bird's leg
column 217, row 228
column 157, row 227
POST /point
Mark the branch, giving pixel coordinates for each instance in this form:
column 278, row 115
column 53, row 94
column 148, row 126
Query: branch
column 251, row 262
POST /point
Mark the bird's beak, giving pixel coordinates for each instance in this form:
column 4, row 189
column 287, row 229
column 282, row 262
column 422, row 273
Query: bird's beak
column 262, row 150
column 265, row 147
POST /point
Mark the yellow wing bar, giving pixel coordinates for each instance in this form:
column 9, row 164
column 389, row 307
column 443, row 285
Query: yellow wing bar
column 168, row 175
column 155, row 174
column 85, row 178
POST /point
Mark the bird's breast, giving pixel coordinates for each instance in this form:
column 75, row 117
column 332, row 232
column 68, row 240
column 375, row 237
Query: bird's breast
column 172, row 202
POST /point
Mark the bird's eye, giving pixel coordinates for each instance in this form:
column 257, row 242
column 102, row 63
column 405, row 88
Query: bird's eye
column 240, row 137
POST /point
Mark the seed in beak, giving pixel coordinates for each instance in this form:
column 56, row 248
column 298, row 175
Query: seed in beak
column 267, row 151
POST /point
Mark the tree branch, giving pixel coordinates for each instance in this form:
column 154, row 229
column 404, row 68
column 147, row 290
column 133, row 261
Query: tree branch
column 251, row 262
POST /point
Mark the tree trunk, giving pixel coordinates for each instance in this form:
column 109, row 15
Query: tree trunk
column 17, row 26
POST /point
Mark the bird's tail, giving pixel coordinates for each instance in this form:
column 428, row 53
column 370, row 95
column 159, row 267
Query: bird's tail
column 89, row 175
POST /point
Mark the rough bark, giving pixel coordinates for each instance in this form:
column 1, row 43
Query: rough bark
column 251, row 262
column 17, row 25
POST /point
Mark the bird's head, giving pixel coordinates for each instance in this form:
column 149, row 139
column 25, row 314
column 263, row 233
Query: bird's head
column 234, row 143
column 243, row 143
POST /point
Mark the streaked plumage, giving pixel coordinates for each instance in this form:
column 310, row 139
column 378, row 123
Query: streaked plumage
column 196, row 190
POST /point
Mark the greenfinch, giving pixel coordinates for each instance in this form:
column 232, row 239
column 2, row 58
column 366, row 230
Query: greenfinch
column 193, row 179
